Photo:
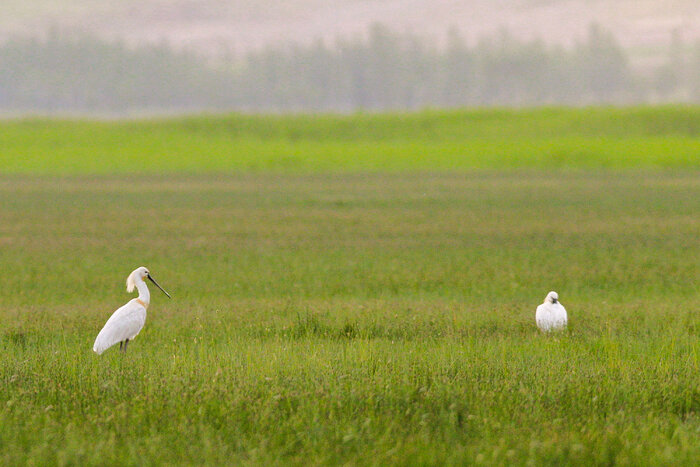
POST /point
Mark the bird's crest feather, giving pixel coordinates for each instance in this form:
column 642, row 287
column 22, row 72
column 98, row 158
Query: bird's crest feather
column 131, row 281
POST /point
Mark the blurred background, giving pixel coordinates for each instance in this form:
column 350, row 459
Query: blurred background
column 168, row 56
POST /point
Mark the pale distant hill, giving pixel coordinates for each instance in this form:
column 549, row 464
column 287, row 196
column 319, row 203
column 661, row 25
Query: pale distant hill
column 210, row 26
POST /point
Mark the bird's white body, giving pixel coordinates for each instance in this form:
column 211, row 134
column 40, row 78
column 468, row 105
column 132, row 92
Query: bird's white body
column 127, row 321
column 551, row 315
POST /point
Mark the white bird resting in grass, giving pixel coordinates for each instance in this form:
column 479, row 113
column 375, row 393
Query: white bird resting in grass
column 551, row 315
column 127, row 321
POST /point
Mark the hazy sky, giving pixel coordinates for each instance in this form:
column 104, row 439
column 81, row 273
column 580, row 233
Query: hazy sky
column 211, row 25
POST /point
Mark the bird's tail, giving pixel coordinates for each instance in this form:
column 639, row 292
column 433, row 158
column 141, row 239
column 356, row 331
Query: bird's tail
column 98, row 350
column 100, row 344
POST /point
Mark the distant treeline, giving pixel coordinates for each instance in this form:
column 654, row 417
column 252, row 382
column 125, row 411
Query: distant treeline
column 384, row 71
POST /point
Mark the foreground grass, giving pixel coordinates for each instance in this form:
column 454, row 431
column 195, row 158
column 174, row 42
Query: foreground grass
column 369, row 319
column 666, row 137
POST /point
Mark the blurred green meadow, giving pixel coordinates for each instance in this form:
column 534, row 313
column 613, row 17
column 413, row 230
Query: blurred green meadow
column 354, row 289
column 665, row 137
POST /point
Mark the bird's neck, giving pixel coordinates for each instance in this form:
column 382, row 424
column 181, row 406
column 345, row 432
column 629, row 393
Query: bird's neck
column 144, row 294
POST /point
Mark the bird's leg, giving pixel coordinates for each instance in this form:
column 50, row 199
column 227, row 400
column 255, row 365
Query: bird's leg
column 126, row 342
column 120, row 345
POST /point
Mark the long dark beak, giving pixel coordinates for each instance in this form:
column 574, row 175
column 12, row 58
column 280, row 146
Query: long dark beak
column 156, row 283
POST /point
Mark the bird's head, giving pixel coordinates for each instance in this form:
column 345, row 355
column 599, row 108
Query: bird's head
column 139, row 275
column 552, row 297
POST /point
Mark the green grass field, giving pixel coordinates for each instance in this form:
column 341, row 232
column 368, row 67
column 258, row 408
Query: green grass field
column 434, row 141
column 351, row 310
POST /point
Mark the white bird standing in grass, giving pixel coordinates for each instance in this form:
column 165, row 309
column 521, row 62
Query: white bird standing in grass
column 551, row 315
column 127, row 321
